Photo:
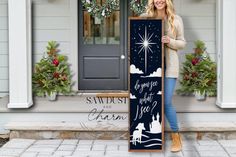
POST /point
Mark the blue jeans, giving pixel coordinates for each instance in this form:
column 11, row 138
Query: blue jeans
column 170, row 111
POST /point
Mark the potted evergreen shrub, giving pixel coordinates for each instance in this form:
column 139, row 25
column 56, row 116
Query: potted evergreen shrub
column 52, row 74
column 198, row 74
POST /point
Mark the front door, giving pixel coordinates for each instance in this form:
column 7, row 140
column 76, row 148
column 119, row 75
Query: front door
column 103, row 50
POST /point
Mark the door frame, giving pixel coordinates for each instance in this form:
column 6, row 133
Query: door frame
column 74, row 47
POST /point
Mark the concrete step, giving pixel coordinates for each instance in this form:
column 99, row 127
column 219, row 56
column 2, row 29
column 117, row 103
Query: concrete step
column 4, row 134
column 91, row 126
column 89, row 130
column 68, row 130
column 75, row 117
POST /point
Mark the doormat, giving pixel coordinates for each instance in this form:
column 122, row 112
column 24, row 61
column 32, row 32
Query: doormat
column 146, row 84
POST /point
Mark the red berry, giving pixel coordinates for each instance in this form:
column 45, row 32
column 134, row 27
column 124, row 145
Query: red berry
column 186, row 77
column 56, row 75
column 64, row 78
column 195, row 61
column 194, row 74
column 209, row 82
column 55, row 62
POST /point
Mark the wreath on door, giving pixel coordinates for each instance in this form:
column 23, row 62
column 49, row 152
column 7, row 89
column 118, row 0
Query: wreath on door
column 105, row 10
column 138, row 6
column 100, row 11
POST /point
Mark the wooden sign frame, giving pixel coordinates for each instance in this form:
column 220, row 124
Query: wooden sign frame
column 146, row 105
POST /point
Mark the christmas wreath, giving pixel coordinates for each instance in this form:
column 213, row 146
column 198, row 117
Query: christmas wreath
column 138, row 6
column 100, row 11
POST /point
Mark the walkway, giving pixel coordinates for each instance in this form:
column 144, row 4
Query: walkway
column 111, row 148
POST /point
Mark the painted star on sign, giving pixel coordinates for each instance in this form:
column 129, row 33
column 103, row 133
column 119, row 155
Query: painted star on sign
column 145, row 45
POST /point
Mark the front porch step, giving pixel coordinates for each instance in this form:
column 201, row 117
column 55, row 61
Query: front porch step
column 119, row 127
column 4, row 134
column 91, row 131
column 76, row 117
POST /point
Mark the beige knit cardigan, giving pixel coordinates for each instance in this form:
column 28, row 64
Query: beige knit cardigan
column 177, row 42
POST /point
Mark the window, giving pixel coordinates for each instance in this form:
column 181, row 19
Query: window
column 101, row 31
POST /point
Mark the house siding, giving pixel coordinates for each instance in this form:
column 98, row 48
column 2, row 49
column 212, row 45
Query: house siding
column 3, row 48
column 199, row 17
column 52, row 21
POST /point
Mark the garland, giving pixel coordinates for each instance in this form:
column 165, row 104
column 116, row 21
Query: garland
column 138, row 6
column 102, row 11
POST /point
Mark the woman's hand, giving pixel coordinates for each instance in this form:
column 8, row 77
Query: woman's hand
column 165, row 39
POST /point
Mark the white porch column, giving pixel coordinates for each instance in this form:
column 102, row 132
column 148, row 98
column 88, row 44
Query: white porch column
column 226, row 43
column 20, row 66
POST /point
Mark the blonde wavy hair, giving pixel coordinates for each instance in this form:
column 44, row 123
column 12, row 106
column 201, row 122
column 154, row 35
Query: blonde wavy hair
column 170, row 12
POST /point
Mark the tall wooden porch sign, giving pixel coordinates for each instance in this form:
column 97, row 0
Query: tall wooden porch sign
column 146, row 84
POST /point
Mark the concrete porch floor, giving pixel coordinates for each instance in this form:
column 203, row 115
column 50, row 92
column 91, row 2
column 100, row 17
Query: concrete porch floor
column 112, row 148
column 183, row 104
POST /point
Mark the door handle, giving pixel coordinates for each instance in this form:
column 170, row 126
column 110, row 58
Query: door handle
column 122, row 56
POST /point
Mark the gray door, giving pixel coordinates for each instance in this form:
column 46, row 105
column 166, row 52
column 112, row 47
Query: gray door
column 103, row 50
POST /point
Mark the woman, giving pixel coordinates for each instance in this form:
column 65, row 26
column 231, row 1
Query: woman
column 173, row 40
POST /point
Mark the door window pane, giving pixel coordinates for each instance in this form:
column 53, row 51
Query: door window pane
column 97, row 31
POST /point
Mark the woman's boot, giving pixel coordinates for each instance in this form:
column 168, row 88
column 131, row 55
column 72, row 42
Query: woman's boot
column 176, row 142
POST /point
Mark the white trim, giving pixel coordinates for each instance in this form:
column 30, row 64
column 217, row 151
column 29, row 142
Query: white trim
column 20, row 105
column 218, row 48
column 226, row 104
column 20, row 57
column 74, row 42
column 226, row 32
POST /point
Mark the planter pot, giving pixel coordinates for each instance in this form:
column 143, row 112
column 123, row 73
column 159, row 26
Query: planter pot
column 52, row 96
column 200, row 96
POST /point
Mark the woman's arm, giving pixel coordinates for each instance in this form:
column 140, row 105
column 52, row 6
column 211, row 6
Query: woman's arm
column 179, row 42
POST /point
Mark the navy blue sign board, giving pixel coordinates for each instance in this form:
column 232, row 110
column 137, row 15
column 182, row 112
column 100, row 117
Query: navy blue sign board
column 146, row 85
